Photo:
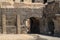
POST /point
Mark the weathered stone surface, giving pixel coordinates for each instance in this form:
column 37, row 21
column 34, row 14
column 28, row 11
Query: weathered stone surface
column 24, row 13
column 50, row 10
column 26, row 37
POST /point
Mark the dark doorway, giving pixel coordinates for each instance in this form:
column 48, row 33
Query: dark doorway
column 14, row 0
column 51, row 27
column 45, row 1
column 33, row 1
column 34, row 26
column 22, row 0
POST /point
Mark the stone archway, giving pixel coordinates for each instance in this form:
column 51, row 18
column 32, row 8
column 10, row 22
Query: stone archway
column 33, row 1
column 51, row 27
column 33, row 24
column 45, row 1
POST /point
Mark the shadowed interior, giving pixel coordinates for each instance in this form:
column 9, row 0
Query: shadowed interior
column 34, row 26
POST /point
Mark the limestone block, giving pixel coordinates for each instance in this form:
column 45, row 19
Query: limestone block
column 4, row 23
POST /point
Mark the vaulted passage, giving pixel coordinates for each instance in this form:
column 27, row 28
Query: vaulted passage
column 51, row 27
column 34, row 26
column 45, row 1
column 33, row 1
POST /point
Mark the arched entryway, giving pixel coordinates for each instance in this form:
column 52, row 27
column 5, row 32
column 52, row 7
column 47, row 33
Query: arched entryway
column 45, row 1
column 33, row 24
column 51, row 27
column 33, row 1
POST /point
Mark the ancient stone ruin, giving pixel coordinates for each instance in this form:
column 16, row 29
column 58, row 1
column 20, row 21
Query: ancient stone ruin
column 30, row 17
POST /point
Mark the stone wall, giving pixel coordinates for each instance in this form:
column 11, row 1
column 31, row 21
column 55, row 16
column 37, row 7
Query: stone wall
column 50, row 11
column 24, row 13
column 57, row 25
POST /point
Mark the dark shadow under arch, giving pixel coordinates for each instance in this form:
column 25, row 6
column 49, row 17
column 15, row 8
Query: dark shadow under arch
column 51, row 27
column 33, row 1
column 34, row 25
column 45, row 1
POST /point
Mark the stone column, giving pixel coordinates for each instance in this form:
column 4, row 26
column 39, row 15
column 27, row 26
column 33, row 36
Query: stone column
column 4, row 23
column 18, row 28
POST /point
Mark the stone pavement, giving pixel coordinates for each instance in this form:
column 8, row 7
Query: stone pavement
column 26, row 37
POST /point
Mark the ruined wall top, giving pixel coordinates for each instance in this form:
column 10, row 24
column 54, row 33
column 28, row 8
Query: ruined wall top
column 27, row 1
column 22, row 3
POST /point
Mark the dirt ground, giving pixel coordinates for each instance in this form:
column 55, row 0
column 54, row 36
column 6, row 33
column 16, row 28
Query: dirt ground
column 26, row 37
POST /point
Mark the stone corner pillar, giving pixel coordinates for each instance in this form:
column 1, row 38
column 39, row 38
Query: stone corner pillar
column 4, row 23
column 18, row 28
